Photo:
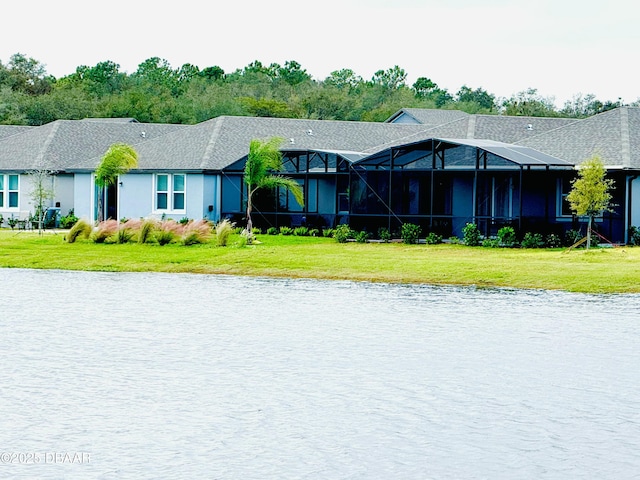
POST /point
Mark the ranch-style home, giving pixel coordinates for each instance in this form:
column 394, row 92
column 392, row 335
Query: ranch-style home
column 440, row 169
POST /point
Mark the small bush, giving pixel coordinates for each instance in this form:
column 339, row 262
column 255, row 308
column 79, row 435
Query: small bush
column 80, row 228
column 328, row 232
column 342, row 233
column 433, row 239
column 571, row 237
column 491, row 243
column 224, row 229
column 634, row 236
column 314, row 232
column 301, row 231
column 256, row 231
column 362, row 237
column 272, row 231
column 471, row 235
column 67, row 221
column 184, row 221
column 384, row 234
column 553, row 241
column 410, row 233
column 167, row 232
column 532, row 240
column 286, row 231
column 454, row 240
column 506, row 236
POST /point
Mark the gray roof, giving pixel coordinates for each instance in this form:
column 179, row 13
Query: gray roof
column 426, row 116
column 73, row 144
column 9, row 130
column 614, row 135
column 516, row 154
column 503, row 128
column 218, row 143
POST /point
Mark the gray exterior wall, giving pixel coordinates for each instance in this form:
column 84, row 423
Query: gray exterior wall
column 83, row 198
column 64, row 192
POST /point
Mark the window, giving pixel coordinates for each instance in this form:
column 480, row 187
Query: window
column 170, row 192
column 564, row 207
column 9, row 189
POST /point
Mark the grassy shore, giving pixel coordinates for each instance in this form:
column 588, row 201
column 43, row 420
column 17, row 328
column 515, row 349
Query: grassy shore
column 600, row 270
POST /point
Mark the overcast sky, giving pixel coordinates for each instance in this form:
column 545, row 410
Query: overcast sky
column 559, row 47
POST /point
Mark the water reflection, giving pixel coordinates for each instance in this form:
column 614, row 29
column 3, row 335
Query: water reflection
column 188, row 376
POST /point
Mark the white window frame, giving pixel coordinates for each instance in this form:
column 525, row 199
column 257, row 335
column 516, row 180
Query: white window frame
column 171, row 193
column 7, row 191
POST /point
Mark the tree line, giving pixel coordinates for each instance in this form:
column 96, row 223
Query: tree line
column 158, row 93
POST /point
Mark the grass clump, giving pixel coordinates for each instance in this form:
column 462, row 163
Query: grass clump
column 223, row 230
column 81, row 229
column 196, row 232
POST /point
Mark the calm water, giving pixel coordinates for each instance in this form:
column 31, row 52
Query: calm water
column 183, row 376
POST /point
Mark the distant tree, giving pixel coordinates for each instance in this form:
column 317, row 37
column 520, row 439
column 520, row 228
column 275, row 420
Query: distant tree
column 212, row 73
column 589, row 195
column 293, row 73
column 343, row 79
column 263, row 161
column 26, row 75
column 118, row 160
column 391, row 79
column 479, row 96
column 423, row 87
column 530, row 104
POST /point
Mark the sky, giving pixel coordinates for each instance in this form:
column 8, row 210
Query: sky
column 561, row 48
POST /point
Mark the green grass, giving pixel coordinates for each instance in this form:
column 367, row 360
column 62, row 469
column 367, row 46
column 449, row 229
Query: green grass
column 606, row 270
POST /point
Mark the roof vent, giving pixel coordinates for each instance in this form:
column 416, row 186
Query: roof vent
column 310, row 132
column 143, row 134
column 529, row 126
column 292, row 141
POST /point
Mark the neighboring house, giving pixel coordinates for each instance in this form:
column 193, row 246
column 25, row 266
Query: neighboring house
column 440, row 169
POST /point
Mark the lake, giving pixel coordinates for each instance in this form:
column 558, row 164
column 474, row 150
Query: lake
column 151, row 375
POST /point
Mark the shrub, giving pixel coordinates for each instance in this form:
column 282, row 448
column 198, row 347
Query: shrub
column 184, row 221
column 571, row 237
column 634, row 236
column 256, row 231
column 491, row 243
column 301, row 231
column 195, row 232
column 328, row 232
column 80, row 228
column 224, row 229
column 342, row 233
column 272, row 231
column 471, row 235
column 384, row 234
column 532, row 240
column 286, row 231
column 433, row 239
column 362, row 237
column 507, row 236
column 454, row 240
column 104, row 230
column 410, row 233
column 314, row 232
column 553, row 241
column 68, row 220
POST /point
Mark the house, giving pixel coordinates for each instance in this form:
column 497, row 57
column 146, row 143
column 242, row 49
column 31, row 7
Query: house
column 436, row 168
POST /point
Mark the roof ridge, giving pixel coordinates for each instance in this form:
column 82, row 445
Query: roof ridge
column 212, row 141
column 39, row 163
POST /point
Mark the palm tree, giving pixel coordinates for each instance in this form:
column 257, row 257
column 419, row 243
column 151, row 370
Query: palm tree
column 263, row 159
column 118, row 160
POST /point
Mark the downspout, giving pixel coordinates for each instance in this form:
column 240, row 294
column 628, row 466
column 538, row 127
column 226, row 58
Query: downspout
column 389, row 188
column 520, row 202
column 630, row 180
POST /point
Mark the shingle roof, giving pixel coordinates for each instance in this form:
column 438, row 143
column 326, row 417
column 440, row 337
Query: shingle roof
column 8, row 130
column 73, row 144
column 217, row 143
column 614, row 135
column 502, row 128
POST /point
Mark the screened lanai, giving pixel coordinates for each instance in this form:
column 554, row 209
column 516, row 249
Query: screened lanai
column 324, row 176
column 442, row 184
